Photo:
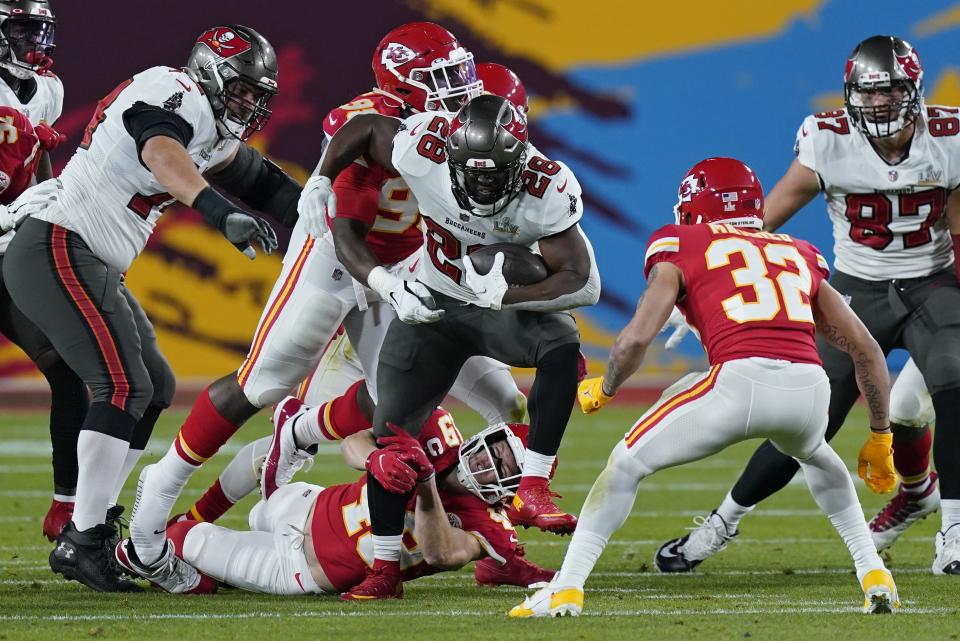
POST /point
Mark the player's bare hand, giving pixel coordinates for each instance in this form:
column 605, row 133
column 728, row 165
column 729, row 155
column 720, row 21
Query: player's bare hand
column 317, row 200
column 390, row 471
column 244, row 229
column 875, row 463
column 591, row 395
column 490, row 287
column 680, row 328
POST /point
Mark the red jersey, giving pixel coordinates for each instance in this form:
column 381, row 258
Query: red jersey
column 748, row 292
column 19, row 154
column 368, row 193
column 342, row 534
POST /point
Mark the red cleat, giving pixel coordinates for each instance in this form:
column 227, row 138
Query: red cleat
column 516, row 571
column 383, row 581
column 57, row 517
column 533, row 506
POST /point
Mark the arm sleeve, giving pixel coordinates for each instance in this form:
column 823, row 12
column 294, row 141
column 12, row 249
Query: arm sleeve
column 143, row 122
column 261, row 184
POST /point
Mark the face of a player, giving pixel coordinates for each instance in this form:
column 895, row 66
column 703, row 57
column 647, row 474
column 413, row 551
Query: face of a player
column 485, row 187
column 503, row 461
column 877, row 102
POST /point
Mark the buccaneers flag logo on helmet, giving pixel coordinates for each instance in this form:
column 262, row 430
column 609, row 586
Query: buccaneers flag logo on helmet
column 224, row 42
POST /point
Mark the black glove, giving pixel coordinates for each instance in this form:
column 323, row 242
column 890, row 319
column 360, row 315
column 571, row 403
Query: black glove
column 241, row 229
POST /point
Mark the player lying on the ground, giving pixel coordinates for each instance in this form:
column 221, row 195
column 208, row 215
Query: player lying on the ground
column 756, row 299
column 309, row 539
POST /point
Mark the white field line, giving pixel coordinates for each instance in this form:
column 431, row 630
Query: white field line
column 40, row 448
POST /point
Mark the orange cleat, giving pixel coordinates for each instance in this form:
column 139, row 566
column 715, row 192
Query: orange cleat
column 57, row 517
column 383, row 581
column 533, row 505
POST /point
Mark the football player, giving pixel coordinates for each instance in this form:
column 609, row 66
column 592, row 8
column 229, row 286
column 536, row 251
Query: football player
column 309, row 539
column 756, row 300
column 477, row 183
column 888, row 170
column 30, row 87
column 154, row 140
column 418, row 67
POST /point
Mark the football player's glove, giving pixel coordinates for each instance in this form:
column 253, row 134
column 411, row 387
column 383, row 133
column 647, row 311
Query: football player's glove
column 393, row 474
column 412, row 301
column 49, row 137
column 242, row 229
column 410, row 452
column 680, row 328
column 490, row 287
column 316, row 201
column 591, row 395
column 875, row 463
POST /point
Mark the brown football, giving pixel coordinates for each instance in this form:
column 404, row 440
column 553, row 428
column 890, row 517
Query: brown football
column 520, row 265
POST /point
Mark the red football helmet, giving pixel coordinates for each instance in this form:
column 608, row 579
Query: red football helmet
column 422, row 65
column 502, row 82
column 720, row 190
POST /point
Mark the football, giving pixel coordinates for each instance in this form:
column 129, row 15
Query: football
column 520, row 265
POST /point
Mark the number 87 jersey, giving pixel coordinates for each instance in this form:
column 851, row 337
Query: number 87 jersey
column 887, row 219
column 747, row 293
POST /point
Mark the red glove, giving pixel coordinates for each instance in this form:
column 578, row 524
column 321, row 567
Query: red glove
column 49, row 137
column 391, row 471
column 409, row 451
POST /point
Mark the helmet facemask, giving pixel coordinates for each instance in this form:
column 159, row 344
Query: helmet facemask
column 26, row 45
column 449, row 83
column 485, row 469
column 485, row 190
column 244, row 101
column 881, row 108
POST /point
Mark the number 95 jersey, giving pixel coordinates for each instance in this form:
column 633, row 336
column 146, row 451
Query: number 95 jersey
column 548, row 203
column 747, row 293
column 887, row 219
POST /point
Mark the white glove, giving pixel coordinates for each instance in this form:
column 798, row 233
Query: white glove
column 316, row 201
column 489, row 288
column 412, row 300
column 680, row 328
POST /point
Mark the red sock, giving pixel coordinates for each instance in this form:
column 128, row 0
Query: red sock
column 211, row 506
column 342, row 416
column 204, row 431
column 911, row 454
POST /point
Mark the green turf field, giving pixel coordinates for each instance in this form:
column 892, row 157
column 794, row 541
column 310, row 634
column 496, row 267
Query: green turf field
column 787, row 577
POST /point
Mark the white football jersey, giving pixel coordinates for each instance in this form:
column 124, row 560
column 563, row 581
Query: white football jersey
column 105, row 194
column 548, row 203
column 887, row 219
column 45, row 105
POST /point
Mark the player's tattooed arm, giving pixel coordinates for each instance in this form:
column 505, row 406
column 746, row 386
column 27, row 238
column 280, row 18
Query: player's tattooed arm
column 443, row 546
column 664, row 285
column 837, row 323
column 369, row 135
column 795, row 189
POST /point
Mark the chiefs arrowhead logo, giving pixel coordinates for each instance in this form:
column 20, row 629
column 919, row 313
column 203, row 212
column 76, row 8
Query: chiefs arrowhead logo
column 396, row 54
column 224, row 41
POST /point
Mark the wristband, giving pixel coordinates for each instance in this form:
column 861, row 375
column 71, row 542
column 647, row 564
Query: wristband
column 213, row 207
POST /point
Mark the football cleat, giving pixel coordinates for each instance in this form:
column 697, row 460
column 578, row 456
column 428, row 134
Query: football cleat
column 879, row 593
column 534, row 506
column 947, row 559
column 902, row 511
column 56, row 520
column 169, row 572
column 383, row 581
column 684, row 554
column 85, row 557
column 284, row 458
column 517, row 571
column 550, row 601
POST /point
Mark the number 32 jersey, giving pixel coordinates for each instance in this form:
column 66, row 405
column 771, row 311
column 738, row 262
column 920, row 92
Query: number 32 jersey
column 887, row 219
column 549, row 202
column 747, row 293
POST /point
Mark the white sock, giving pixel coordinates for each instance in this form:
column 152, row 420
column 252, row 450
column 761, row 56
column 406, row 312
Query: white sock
column 607, row 507
column 306, row 431
column 387, row 548
column 538, row 465
column 64, row 498
column 732, row 512
column 949, row 513
column 99, row 459
column 129, row 463
column 852, row 527
column 157, row 491
column 242, row 474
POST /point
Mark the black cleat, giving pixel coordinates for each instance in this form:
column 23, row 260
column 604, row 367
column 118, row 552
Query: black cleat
column 686, row 553
column 85, row 557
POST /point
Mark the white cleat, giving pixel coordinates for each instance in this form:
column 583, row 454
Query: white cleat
column 947, row 559
column 879, row 593
column 902, row 511
column 284, row 458
column 169, row 572
column 550, row 601
column 686, row 553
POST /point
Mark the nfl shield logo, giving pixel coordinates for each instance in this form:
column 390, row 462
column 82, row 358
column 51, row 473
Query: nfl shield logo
column 893, row 175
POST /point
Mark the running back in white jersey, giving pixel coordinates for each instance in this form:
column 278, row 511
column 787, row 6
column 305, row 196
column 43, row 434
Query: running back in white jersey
column 45, row 104
column 887, row 219
column 104, row 193
column 549, row 202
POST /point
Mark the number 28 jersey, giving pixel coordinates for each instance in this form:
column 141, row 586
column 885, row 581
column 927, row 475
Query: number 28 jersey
column 549, row 202
column 887, row 219
column 747, row 293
